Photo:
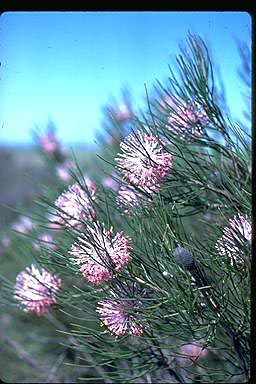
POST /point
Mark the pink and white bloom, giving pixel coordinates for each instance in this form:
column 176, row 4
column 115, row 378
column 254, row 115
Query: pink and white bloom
column 36, row 289
column 122, row 112
column 63, row 171
column 121, row 316
column 109, row 182
column 186, row 119
column 100, row 254
column 236, row 236
column 144, row 161
column 49, row 143
column 193, row 351
column 52, row 223
column 75, row 204
column 23, row 225
column 46, row 241
column 91, row 185
column 131, row 200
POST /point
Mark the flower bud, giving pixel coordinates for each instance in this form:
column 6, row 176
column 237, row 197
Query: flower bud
column 183, row 257
column 167, row 274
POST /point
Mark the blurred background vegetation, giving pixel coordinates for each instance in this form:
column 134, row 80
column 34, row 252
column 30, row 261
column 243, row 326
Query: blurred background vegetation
column 29, row 346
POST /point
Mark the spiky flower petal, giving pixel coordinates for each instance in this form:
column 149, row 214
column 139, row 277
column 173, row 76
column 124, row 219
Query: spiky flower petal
column 236, row 236
column 100, row 254
column 75, row 204
column 36, row 289
column 187, row 120
column 131, row 200
column 49, row 143
column 121, row 316
column 144, row 161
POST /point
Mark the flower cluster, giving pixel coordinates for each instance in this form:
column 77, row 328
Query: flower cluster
column 74, row 204
column 23, row 225
column 193, row 351
column 36, row 289
column 236, row 236
column 100, row 254
column 122, row 112
column 186, row 119
column 46, row 240
column 49, row 143
column 121, row 316
column 62, row 170
column 110, row 182
column 144, row 161
column 129, row 199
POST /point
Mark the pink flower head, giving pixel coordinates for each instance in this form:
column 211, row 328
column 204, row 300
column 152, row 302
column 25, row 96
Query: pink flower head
column 187, row 119
column 143, row 161
column 130, row 200
column 193, row 351
column 23, row 225
column 5, row 243
column 52, row 223
column 236, row 236
column 100, row 254
column 49, row 143
column 109, row 182
column 121, row 316
column 46, row 240
column 122, row 112
column 36, row 289
column 74, row 204
column 91, row 185
column 63, row 171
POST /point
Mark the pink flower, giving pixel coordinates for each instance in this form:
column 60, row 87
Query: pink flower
column 100, row 254
column 49, row 143
column 36, row 289
column 75, row 204
column 236, row 236
column 109, row 182
column 91, row 185
column 121, row 316
column 62, row 171
column 130, row 200
column 186, row 119
column 122, row 112
column 5, row 243
column 45, row 240
column 143, row 161
column 23, row 225
column 193, row 352
column 52, row 223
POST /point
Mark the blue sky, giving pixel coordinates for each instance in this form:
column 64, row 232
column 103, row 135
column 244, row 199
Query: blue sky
column 65, row 66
